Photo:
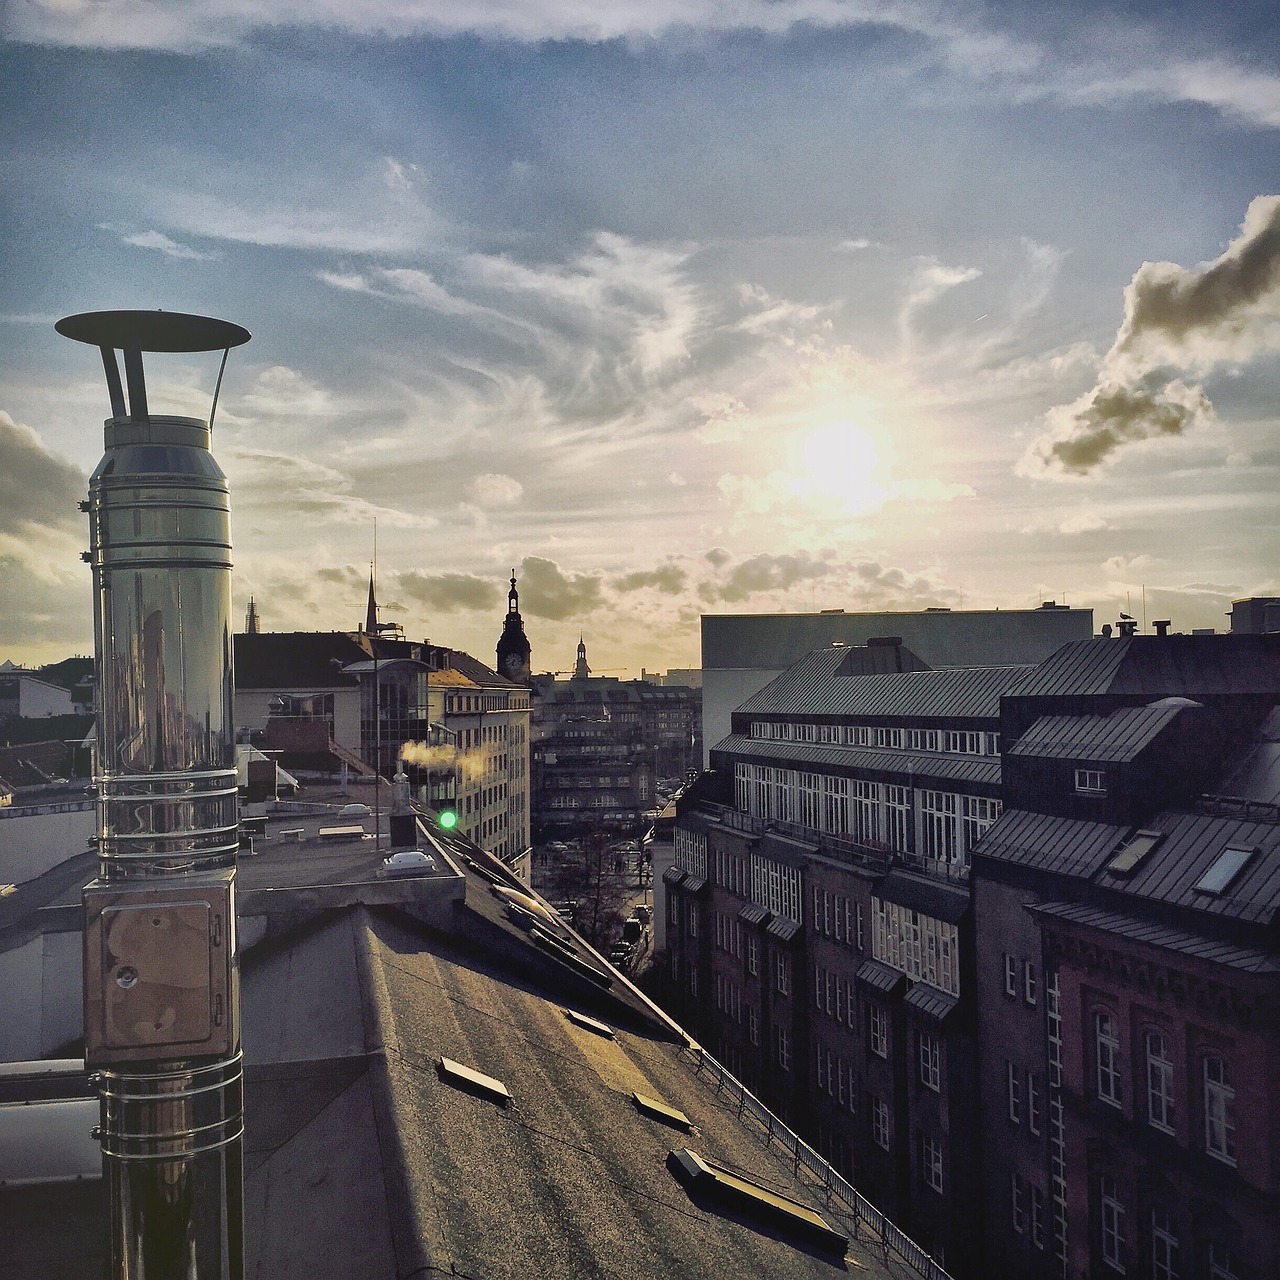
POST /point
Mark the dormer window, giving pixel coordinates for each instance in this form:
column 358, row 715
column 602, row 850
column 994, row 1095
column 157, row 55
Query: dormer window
column 1091, row 782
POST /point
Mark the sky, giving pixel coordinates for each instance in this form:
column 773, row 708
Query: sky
column 672, row 306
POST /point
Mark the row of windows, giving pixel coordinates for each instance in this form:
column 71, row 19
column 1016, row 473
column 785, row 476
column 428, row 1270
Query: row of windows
column 834, row 914
column 1164, row 1239
column 951, row 741
column 1028, row 988
column 1217, row 1093
column 1034, row 1096
column 876, row 813
column 924, row 948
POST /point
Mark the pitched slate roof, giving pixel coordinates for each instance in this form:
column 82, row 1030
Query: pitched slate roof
column 1160, row 666
column 814, row 686
column 1113, row 738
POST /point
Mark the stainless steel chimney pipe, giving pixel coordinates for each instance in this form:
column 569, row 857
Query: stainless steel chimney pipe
column 162, row 1009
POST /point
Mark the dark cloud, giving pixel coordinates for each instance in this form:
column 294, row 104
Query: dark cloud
column 875, row 587
column 36, row 488
column 719, row 557
column 1114, row 415
column 670, row 579
column 448, row 592
column 768, row 573
column 1217, row 301
column 1176, row 319
column 547, row 592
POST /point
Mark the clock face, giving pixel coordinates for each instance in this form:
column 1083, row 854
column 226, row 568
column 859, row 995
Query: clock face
column 513, row 663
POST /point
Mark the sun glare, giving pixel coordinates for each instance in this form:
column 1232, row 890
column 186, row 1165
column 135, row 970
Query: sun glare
column 840, row 460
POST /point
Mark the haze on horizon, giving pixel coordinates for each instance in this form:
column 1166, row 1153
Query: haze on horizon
column 674, row 308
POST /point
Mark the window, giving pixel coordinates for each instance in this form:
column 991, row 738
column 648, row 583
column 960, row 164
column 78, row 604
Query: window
column 1010, row 975
column 822, row 1079
column 1018, row 1202
column 859, row 917
column 1107, row 1058
column 1219, row 1111
column 1091, row 782
column 753, row 1025
column 930, row 1055
column 753, row 954
column 1029, row 982
column 1164, row 1247
column 1112, row 1225
column 1037, row 1217
column 924, row 948
column 1221, row 1263
column 1159, row 1082
column 826, row 913
column 783, row 1043
column 782, row 973
column 880, row 1123
column 1126, row 859
column 938, row 825
column 878, row 1030
column 693, row 919
column 1229, row 863
column 1033, row 1102
column 1013, row 1088
column 931, row 1161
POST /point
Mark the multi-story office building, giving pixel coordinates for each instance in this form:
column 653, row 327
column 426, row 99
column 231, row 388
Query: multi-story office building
column 819, row 924
column 1128, row 964
column 601, row 745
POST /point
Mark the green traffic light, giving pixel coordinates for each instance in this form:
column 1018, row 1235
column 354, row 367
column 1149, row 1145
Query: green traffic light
column 448, row 819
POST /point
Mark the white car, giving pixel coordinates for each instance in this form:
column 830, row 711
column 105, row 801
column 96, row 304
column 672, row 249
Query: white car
column 408, row 862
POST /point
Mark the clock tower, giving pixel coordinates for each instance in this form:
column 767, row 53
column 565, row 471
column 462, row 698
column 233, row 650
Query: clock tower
column 513, row 645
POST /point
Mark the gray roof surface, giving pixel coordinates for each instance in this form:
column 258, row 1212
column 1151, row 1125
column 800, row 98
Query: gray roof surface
column 922, row 765
column 1192, row 843
column 1157, row 667
column 1113, row 738
column 1156, row 935
column 815, row 687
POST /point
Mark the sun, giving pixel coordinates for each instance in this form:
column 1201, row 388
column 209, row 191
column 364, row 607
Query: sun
column 841, row 460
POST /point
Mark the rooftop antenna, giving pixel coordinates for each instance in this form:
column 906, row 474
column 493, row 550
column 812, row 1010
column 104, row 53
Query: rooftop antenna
column 161, row 980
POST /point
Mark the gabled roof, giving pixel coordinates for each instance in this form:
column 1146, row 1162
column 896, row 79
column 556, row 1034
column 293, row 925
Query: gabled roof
column 1160, row 666
column 815, row 686
column 1114, row 738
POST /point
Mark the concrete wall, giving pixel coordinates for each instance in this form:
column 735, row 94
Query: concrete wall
column 41, row 995
column 34, row 841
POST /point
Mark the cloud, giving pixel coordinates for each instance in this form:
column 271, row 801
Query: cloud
column 448, row 592
column 288, row 486
column 669, row 579
column 929, row 280
column 1113, row 415
column 1176, row 320
column 163, row 244
column 766, row 572
column 1083, row 521
column 37, row 488
column 546, row 591
column 1225, row 310
column 492, row 489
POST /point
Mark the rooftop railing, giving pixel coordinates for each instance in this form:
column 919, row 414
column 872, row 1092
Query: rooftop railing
column 870, row 1225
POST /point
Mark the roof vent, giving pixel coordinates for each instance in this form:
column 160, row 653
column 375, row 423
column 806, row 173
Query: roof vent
column 473, row 1082
column 656, row 1110
column 589, row 1024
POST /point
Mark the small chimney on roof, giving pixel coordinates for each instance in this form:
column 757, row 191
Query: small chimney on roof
column 1162, row 626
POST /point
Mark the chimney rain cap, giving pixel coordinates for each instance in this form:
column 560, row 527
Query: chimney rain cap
column 152, row 331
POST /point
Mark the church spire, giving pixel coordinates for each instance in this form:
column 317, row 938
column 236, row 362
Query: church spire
column 580, row 669
column 371, row 610
column 514, row 651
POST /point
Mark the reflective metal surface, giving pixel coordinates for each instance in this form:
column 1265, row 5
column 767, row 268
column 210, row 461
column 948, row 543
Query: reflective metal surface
column 162, row 1019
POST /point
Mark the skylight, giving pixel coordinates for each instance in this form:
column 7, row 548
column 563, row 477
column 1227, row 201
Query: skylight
column 1125, row 860
column 1229, row 863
